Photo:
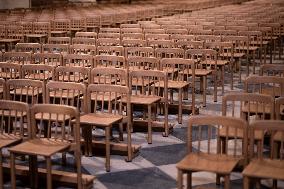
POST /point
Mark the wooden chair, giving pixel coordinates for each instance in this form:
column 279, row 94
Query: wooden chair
column 15, row 126
column 139, row 51
column 59, row 40
column 104, row 110
column 142, row 63
column 150, row 88
column 206, row 65
column 110, row 50
column 55, row 48
column 20, row 58
column 206, row 157
column 86, row 35
column 28, row 47
column 40, row 72
column 109, row 61
column 272, row 70
column 86, row 41
column 41, row 31
column 25, row 90
column 52, row 59
column 181, row 77
column 10, row 70
column 279, row 108
column 76, row 74
column 263, row 164
column 83, row 49
column 83, row 60
column 56, row 140
column 269, row 85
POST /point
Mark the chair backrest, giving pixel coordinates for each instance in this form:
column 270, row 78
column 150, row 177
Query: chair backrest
column 84, row 60
column 157, row 37
column 76, row 74
column 109, row 35
column 10, row 70
column 38, row 72
column 272, row 70
column 275, row 129
column 279, row 108
column 60, row 25
column 59, row 40
column 18, row 57
column 13, row 116
column 109, row 75
column 86, row 35
column 55, row 48
column 154, row 31
column 28, row 47
column 132, row 36
column 208, row 38
column 52, row 59
column 86, row 41
column 169, row 53
column 110, row 50
column 177, row 31
column 41, row 28
column 108, row 99
column 248, row 106
column 209, row 127
column 133, row 43
column 130, row 30
column 160, row 43
column 109, row 30
column 181, row 37
column 270, row 85
column 110, row 61
column 25, row 90
column 143, row 63
column 61, row 123
column 83, row 49
column 67, row 93
column 189, row 44
column 206, row 58
column 139, row 51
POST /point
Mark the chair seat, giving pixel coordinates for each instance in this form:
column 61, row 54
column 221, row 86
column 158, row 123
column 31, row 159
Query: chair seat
column 143, row 99
column 219, row 62
column 198, row 72
column 265, row 168
column 217, row 163
column 43, row 147
column 173, row 84
column 8, row 139
column 100, row 119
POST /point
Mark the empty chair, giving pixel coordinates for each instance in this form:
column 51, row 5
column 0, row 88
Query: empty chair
column 10, row 70
column 52, row 59
column 109, row 75
column 203, row 156
column 272, row 70
column 142, row 63
column 267, row 160
column 28, row 47
column 62, row 126
column 15, row 126
column 76, row 74
column 60, row 27
column 104, row 110
column 41, row 31
column 83, row 60
column 169, row 53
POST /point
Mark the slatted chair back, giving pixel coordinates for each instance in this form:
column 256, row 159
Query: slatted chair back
column 26, row 90
column 109, row 35
column 59, row 40
column 83, row 60
column 20, row 58
column 272, row 70
column 109, row 61
column 86, row 35
column 139, row 51
column 52, row 59
column 28, row 47
column 108, row 42
column 160, row 43
column 76, row 74
column 40, row 72
column 142, row 63
column 86, row 41
column 132, row 36
column 180, row 37
column 154, row 31
column 10, row 70
column 56, row 48
column 169, row 53
column 109, row 30
column 109, row 75
column 83, row 49
column 110, row 50
column 130, row 30
column 41, row 28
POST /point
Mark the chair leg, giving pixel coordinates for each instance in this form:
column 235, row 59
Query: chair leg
column 129, row 144
column 227, row 181
column 245, row 182
column 120, row 131
column 107, row 141
column 274, row 184
column 179, row 106
column 149, row 124
column 13, row 170
column 1, row 170
column 48, row 173
column 189, row 180
column 78, row 166
column 179, row 179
